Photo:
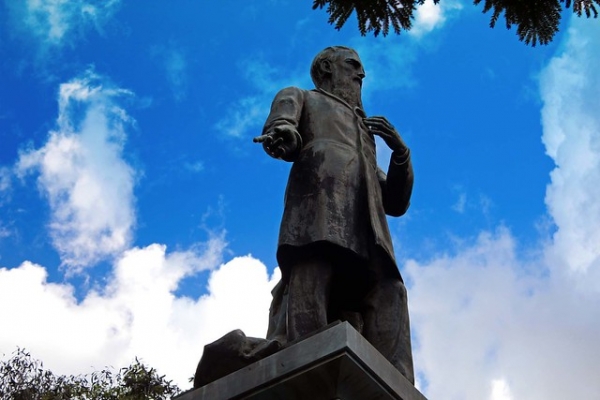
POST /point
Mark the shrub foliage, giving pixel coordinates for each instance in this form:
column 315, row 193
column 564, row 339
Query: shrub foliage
column 23, row 377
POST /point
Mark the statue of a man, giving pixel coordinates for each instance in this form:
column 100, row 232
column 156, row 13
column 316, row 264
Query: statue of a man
column 335, row 249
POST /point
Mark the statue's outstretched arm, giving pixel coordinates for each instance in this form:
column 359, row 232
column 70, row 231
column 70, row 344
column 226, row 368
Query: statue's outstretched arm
column 280, row 137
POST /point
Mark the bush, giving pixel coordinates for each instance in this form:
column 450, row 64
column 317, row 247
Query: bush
column 24, row 378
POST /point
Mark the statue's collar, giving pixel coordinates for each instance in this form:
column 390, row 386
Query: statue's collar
column 357, row 110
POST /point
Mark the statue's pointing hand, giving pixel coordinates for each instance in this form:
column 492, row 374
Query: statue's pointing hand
column 381, row 127
column 280, row 142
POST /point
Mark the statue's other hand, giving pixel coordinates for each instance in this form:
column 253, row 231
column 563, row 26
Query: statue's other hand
column 381, row 127
column 279, row 142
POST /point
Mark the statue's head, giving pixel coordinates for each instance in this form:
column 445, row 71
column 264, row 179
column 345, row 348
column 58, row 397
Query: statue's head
column 325, row 63
column 338, row 70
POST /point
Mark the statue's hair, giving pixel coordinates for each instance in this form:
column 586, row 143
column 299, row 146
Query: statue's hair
column 316, row 73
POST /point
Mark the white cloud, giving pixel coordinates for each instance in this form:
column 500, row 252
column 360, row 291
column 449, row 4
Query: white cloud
column 82, row 172
column 484, row 313
column 430, row 16
column 137, row 313
column 500, row 390
column 457, row 317
column 495, row 321
column 54, row 22
column 570, row 88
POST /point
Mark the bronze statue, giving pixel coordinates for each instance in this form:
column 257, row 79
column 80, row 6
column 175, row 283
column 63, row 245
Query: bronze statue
column 335, row 250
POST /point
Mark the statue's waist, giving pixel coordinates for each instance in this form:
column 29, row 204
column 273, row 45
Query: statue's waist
column 323, row 144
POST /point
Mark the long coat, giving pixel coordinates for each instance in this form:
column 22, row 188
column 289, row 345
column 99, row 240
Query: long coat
column 335, row 193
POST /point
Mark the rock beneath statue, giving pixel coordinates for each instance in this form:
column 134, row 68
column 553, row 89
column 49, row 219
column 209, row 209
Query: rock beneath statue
column 230, row 353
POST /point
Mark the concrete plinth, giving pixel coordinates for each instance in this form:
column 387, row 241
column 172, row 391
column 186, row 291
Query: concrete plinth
column 337, row 363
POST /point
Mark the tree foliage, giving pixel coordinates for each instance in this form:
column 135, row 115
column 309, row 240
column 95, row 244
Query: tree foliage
column 24, row 378
column 537, row 21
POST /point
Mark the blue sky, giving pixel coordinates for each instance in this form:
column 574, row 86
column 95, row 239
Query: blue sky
column 137, row 218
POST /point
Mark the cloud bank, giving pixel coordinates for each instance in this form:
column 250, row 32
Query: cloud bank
column 493, row 321
column 570, row 88
column 137, row 313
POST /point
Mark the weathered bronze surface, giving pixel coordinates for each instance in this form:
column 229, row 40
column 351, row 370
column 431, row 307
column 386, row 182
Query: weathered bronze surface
column 335, row 249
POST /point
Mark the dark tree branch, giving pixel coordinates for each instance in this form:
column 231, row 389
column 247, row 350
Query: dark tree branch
column 537, row 21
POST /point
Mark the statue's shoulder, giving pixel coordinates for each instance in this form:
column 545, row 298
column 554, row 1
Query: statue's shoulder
column 299, row 96
column 292, row 91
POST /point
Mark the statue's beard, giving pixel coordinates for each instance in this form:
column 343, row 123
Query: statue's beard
column 349, row 92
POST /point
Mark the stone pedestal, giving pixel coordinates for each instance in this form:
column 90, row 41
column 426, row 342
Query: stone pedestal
column 335, row 364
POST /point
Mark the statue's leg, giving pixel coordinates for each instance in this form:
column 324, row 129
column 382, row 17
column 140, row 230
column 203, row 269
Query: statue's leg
column 278, row 313
column 386, row 324
column 308, row 297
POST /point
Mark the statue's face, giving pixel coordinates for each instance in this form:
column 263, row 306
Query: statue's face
column 347, row 71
